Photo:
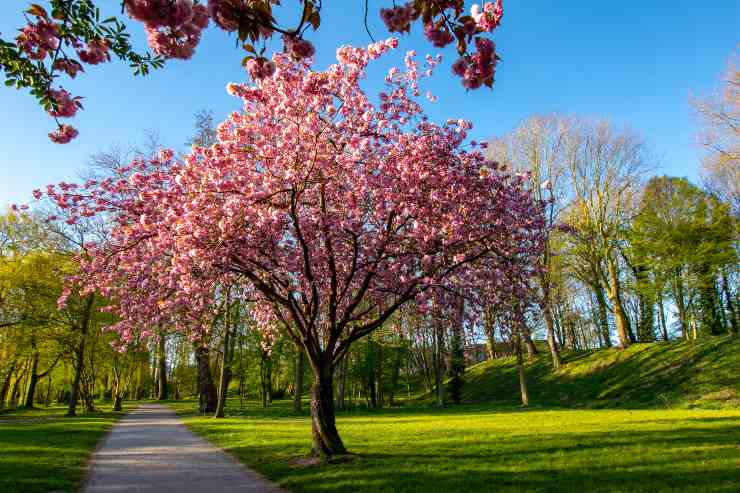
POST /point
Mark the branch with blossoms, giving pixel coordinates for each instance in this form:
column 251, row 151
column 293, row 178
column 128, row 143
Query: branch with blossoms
column 73, row 36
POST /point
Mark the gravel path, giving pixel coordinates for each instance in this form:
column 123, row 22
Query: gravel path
column 150, row 450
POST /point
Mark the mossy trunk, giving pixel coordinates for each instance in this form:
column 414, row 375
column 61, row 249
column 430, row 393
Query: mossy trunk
column 33, row 380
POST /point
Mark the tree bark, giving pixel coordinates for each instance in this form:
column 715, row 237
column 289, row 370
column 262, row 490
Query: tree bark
column 532, row 350
column 554, row 352
column 80, row 356
column 326, row 440
column 731, row 308
column 620, row 317
column 490, row 332
column 663, row 325
column 6, row 383
column 603, row 317
column 223, row 385
column 162, row 389
column 206, row 389
column 439, row 356
column 520, row 368
column 32, row 380
column 300, row 363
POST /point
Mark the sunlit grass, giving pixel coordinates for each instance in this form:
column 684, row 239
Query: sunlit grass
column 42, row 451
column 477, row 448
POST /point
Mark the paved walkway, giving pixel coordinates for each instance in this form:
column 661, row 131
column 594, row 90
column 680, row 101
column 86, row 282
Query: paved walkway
column 150, row 450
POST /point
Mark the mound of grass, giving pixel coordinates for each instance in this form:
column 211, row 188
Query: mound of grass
column 41, row 450
column 703, row 373
column 473, row 448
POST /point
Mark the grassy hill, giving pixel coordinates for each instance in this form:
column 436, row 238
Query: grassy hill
column 702, row 373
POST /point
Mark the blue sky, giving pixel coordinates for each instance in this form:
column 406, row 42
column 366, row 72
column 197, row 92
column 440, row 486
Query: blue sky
column 634, row 62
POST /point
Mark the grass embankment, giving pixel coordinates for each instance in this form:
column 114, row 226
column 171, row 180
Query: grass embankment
column 702, row 373
column 471, row 448
column 41, row 450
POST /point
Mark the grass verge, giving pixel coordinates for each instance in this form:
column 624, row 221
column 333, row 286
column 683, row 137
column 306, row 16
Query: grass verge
column 41, row 450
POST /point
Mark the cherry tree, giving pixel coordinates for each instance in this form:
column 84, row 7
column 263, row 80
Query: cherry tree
column 70, row 35
column 331, row 210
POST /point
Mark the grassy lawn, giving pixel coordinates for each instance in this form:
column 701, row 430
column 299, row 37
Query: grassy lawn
column 477, row 448
column 42, row 451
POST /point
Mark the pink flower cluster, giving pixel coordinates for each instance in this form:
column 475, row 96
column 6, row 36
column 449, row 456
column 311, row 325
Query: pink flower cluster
column 439, row 37
column 260, row 68
column 298, row 48
column 39, row 38
column 95, row 52
column 173, row 27
column 480, row 67
column 225, row 14
column 490, row 17
column 65, row 106
column 399, row 19
column 68, row 66
column 63, row 134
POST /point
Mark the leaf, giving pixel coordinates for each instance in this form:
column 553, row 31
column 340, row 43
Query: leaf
column 248, row 47
column 9, row 82
column 37, row 10
column 315, row 20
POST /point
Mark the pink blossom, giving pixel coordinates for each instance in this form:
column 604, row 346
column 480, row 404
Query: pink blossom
column 63, row 135
column 65, row 106
column 95, row 52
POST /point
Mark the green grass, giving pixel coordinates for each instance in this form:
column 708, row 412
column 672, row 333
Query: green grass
column 474, row 448
column 704, row 373
column 43, row 451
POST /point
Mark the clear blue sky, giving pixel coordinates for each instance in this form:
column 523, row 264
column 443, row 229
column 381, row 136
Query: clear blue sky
column 635, row 62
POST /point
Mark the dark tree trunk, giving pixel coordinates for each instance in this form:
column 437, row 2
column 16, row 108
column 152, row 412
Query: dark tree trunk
column 326, row 440
column 206, row 389
column 342, row 383
column 33, row 379
column 80, row 356
column 395, row 375
column 663, row 325
column 75, row 390
column 162, row 389
column 603, row 317
column 439, row 362
column 300, row 363
column 223, row 385
column 6, row 383
column 117, row 402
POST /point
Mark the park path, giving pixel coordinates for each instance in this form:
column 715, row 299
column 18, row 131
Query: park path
column 150, row 450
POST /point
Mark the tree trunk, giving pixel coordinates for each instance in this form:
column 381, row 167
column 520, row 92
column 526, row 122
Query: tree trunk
column 6, row 383
column 620, row 317
column 32, row 380
column 162, row 368
column 80, row 357
column 75, row 390
column 117, row 402
column 300, row 363
column 603, row 318
column 678, row 296
column 490, row 332
column 554, row 352
column 207, row 396
column 520, row 368
column 326, row 440
column 663, row 325
column 223, row 385
column 731, row 308
column 342, row 384
column 439, row 356
column 532, row 350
